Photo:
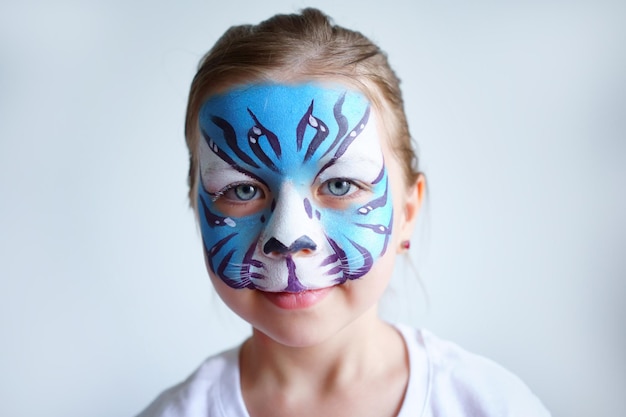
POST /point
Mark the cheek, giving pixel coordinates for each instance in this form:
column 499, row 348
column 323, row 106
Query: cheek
column 349, row 231
column 227, row 240
column 361, row 233
column 237, row 300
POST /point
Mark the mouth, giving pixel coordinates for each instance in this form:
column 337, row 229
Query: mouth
column 297, row 300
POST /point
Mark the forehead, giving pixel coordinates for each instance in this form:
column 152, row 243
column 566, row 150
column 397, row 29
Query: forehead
column 288, row 127
column 284, row 104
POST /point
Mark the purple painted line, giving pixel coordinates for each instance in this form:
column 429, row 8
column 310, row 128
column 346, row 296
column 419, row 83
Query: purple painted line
column 302, row 124
column 374, row 204
column 308, row 208
column 231, row 140
column 220, row 244
column 377, row 228
column 293, row 284
column 271, row 137
column 224, row 157
column 248, row 261
column 388, row 235
column 367, row 262
column 380, row 174
column 211, row 218
column 334, row 271
column 229, row 281
column 342, row 123
column 330, row 260
column 316, row 142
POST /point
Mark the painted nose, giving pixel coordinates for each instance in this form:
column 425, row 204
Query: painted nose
column 290, row 228
column 275, row 246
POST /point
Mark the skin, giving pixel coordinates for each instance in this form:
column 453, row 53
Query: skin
column 335, row 357
column 319, row 182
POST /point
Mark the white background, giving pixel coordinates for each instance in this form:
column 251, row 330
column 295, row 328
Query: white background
column 519, row 110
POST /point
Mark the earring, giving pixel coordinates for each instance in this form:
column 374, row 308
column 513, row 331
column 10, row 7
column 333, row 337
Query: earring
column 405, row 244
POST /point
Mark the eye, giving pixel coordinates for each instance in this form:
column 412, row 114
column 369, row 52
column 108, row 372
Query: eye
column 242, row 192
column 246, row 192
column 240, row 199
column 338, row 187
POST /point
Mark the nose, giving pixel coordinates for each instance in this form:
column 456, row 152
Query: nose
column 291, row 227
column 275, row 246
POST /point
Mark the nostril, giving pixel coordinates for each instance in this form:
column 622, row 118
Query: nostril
column 274, row 245
column 303, row 244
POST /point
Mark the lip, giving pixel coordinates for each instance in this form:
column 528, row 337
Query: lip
column 297, row 300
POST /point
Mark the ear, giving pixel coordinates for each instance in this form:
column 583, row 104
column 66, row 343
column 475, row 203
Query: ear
column 412, row 203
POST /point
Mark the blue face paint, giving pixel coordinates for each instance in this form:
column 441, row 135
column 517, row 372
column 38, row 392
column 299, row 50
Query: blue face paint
column 294, row 194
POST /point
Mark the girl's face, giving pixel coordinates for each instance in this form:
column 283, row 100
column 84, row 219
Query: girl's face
column 295, row 199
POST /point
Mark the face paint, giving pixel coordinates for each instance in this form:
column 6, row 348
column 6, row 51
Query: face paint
column 294, row 193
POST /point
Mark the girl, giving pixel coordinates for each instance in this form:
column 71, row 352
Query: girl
column 306, row 188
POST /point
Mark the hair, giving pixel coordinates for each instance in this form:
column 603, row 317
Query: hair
column 300, row 47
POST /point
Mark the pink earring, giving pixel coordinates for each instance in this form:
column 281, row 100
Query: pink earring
column 405, row 244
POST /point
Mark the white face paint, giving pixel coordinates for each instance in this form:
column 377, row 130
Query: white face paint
column 294, row 193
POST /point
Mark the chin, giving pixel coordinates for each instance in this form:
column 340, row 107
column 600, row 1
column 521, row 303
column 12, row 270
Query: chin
column 296, row 333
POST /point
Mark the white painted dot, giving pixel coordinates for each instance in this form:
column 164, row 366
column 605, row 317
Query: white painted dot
column 363, row 210
column 230, row 222
column 252, row 139
column 352, row 134
column 381, row 228
column 313, row 121
column 256, row 130
column 322, row 128
column 362, row 126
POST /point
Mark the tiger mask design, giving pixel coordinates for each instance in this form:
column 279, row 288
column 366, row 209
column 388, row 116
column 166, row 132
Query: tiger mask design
column 293, row 191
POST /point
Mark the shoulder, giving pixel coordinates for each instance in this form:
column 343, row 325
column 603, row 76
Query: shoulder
column 200, row 394
column 461, row 383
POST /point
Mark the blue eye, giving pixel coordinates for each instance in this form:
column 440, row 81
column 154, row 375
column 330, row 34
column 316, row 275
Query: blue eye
column 240, row 199
column 245, row 192
column 339, row 187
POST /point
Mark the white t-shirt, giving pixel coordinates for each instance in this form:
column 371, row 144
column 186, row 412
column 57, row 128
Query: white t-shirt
column 444, row 381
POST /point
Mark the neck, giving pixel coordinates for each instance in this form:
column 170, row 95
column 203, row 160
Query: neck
column 359, row 350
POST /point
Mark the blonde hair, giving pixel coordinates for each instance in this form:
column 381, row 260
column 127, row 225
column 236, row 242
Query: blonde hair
column 293, row 47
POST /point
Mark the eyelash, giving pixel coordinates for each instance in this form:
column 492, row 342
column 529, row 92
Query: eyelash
column 349, row 194
column 323, row 190
column 231, row 187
